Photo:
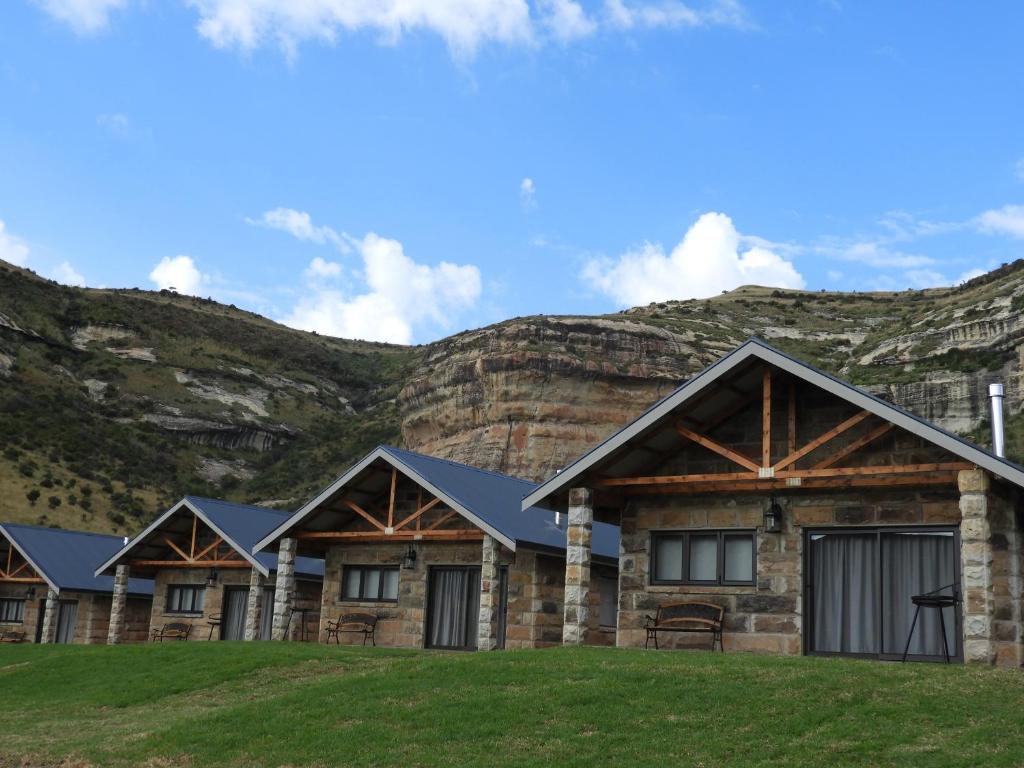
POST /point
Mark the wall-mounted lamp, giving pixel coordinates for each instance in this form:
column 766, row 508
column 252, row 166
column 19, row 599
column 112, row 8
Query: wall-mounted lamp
column 212, row 578
column 773, row 517
column 30, row 594
column 409, row 559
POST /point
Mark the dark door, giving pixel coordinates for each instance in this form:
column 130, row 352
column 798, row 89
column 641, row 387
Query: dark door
column 267, row 613
column 502, row 603
column 232, row 625
column 453, row 608
column 39, row 620
column 859, row 588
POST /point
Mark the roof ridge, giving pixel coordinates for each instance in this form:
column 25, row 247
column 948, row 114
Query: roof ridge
column 61, row 530
column 238, row 504
column 461, row 465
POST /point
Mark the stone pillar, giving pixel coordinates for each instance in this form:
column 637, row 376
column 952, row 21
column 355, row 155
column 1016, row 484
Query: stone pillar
column 50, row 618
column 252, row 608
column 490, row 596
column 577, row 567
column 118, row 605
column 284, row 590
column 976, row 563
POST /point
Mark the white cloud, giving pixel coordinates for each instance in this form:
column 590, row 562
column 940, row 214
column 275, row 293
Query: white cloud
column 1018, row 169
column 401, row 296
column 707, row 261
column 879, row 256
column 673, row 14
column 299, row 224
column 116, row 122
column 65, row 273
column 83, row 16
column 970, row 274
column 566, row 19
column 178, row 273
column 528, row 194
column 12, row 249
column 1008, row 220
column 321, row 268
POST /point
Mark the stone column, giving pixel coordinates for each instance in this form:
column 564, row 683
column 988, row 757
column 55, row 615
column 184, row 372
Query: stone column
column 118, row 604
column 284, row 590
column 976, row 563
column 577, row 567
column 50, row 618
column 490, row 596
column 252, row 608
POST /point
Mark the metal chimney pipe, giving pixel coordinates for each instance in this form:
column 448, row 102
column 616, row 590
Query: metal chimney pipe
column 995, row 396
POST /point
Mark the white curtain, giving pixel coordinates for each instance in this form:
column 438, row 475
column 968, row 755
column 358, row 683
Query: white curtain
column 233, row 618
column 67, row 617
column 454, row 607
column 915, row 564
column 844, row 592
column 266, row 614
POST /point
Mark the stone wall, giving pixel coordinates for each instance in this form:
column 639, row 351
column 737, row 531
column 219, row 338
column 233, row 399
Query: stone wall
column 93, row 616
column 32, row 613
column 767, row 616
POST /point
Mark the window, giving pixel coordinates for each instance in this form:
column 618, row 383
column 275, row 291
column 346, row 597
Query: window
column 370, row 583
column 703, row 557
column 608, row 591
column 185, row 598
column 12, row 610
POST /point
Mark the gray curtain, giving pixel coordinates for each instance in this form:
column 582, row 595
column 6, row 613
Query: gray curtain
column 454, row 607
column 266, row 614
column 914, row 564
column 233, row 618
column 845, row 593
column 67, row 617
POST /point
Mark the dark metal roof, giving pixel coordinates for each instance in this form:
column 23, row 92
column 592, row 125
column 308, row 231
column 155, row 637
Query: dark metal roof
column 489, row 500
column 67, row 559
column 240, row 525
column 646, row 425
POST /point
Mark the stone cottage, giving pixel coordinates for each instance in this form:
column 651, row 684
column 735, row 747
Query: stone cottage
column 199, row 554
column 812, row 511
column 49, row 593
column 443, row 556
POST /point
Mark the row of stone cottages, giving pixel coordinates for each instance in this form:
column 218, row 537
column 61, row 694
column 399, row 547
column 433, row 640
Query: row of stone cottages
column 811, row 511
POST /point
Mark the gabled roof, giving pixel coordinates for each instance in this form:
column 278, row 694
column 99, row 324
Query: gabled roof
column 66, row 559
column 755, row 349
column 487, row 499
column 239, row 525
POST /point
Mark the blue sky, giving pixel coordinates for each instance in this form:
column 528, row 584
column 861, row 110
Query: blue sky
column 403, row 170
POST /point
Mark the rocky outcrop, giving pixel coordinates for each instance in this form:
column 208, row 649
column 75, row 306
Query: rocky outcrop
column 227, row 436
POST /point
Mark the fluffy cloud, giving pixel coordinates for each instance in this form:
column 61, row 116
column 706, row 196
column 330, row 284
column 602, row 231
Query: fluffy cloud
column 1008, row 220
column 83, row 16
column 566, row 19
column 323, row 269
column 671, row 14
column 400, row 295
column 299, row 224
column 178, row 273
column 65, row 273
column 12, row 249
column 706, row 262
column 528, row 194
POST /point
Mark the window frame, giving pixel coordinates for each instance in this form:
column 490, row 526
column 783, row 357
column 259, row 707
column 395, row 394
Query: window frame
column 197, row 589
column 20, row 611
column 362, row 569
column 720, row 534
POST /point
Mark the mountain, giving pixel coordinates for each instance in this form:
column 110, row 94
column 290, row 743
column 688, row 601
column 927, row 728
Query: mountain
column 115, row 402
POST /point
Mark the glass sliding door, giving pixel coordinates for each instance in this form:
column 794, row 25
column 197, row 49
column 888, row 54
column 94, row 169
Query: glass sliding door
column 232, row 626
column 844, row 593
column 266, row 613
column 859, row 589
column 454, row 607
column 67, row 617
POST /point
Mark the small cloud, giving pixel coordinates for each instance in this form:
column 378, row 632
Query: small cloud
column 299, row 225
column 116, row 122
column 969, row 275
column 674, row 14
column 566, row 19
column 66, row 274
column 12, row 249
column 1008, row 220
column 528, row 194
column 178, row 274
column 707, row 261
column 1018, row 169
column 321, row 268
column 83, row 16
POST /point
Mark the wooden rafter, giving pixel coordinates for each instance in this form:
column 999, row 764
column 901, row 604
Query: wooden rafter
column 823, row 438
column 220, row 563
column 717, row 447
column 391, row 503
column 766, row 417
column 10, row 575
column 773, row 484
column 854, row 446
column 441, row 521
column 363, row 514
column 374, row 536
column 423, row 508
column 192, row 550
column 791, row 420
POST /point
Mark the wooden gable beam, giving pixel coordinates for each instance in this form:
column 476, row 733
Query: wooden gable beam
column 423, row 508
column 855, row 446
column 819, row 441
column 391, row 503
column 721, row 450
column 766, row 417
column 377, row 537
column 10, row 575
column 363, row 514
column 791, row 420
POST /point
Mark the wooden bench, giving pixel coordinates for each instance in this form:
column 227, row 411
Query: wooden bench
column 363, row 623
column 686, row 617
column 12, row 636
column 175, row 630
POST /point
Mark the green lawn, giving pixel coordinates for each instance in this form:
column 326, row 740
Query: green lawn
column 275, row 704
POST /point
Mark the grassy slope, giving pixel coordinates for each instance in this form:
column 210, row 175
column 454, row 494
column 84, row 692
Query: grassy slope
column 285, row 704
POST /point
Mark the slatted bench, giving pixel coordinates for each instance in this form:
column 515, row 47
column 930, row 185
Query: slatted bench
column 687, row 617
column 363, row 623
column 12, row 636
column 175, row 630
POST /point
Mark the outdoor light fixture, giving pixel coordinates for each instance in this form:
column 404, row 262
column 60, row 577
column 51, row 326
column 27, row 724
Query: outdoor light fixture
column 409, row 560
column 212, row 578
column 31, row 593
column 773, row 517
